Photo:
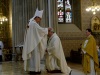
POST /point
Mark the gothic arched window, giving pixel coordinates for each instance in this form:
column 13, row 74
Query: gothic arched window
column 64, row 12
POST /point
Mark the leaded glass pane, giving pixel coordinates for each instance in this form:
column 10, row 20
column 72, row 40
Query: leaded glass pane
column 60, row 7
column 68, row 12
column 64, row 11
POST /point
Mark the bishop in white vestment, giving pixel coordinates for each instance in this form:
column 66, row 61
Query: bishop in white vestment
column 34, row 44
column 55, row 58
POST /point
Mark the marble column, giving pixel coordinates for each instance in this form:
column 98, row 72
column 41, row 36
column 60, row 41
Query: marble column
column 53, row 15
column 44, row 4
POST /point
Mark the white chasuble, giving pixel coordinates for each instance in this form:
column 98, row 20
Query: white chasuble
column 55, row 58
column 35, row 42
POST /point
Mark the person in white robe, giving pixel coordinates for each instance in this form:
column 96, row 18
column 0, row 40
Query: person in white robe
column 1, row 48
column 35, row 42
column 55, row 58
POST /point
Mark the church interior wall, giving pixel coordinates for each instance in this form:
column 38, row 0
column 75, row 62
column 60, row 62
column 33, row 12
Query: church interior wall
column 71, row 36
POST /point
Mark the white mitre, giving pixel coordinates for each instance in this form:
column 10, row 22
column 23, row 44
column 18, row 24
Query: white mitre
column 38, row 14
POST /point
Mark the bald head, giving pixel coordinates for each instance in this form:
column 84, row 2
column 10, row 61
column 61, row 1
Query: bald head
column 50, row 32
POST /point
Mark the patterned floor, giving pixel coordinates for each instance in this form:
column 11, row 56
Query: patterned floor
column 16, row 68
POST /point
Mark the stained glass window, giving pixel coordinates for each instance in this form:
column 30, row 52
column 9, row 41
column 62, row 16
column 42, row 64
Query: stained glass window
column 64, row 11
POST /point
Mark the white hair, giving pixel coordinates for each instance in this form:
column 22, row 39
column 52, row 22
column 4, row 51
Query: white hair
column 52, row 30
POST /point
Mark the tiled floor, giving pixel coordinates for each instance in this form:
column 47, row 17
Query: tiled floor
column 16, row 68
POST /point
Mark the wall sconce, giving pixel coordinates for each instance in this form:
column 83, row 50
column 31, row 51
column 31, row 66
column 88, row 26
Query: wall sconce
column 2, row 17
column 94, row 8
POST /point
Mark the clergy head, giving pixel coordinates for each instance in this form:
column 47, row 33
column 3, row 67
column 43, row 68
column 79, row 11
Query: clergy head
column 88, row 32
column 50, row 32
column 37, row 16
